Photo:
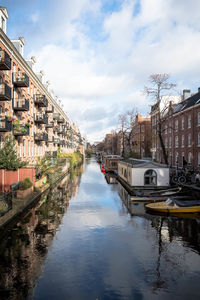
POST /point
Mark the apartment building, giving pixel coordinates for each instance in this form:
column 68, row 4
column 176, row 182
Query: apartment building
column 181, row 132
column 27, row 108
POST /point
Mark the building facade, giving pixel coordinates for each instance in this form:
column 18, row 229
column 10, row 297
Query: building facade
column 28, row 110
column 181, row 133
column 141, row 136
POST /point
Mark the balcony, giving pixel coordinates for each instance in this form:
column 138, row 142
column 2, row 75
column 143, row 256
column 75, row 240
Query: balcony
column 39, row 137
column 50, row 109
column 5, row 60
column 5, row 125
column 20, row 79
column 20, row 130
column 60, row 131
column 21, row 105
column 41, row 100
column 5, row 92
column 41, row 119
column 50, row 125
column 58, row 117
column 56, row 141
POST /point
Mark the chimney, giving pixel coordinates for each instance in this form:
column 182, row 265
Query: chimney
column 198, row 89
column 31, row 62
column 19, row 45
column 186, row 94
column 3, row 18
column 40, row 75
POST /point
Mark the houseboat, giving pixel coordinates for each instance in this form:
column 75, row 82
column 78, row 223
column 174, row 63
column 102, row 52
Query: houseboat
column 110, row 162
column 142, row 177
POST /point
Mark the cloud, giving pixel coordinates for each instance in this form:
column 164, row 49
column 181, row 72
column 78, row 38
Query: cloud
column 98, row 55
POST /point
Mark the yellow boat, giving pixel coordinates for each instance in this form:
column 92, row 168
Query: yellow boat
column 175, row 207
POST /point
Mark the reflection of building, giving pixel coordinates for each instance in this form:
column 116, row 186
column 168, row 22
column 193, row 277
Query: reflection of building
column 134, row 207
column 22, row 254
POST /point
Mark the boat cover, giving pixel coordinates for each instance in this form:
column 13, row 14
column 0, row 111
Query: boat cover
column 184, row 203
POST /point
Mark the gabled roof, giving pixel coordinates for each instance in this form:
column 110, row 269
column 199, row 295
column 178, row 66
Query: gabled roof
column 189, row 102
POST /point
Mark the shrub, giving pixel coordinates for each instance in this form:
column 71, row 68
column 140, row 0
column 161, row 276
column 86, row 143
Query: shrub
column 25, row 184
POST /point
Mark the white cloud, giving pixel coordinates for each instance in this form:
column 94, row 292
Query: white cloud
column 98, row 62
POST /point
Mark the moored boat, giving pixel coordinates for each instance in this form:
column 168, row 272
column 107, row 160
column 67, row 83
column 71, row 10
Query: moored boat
column 174, row 206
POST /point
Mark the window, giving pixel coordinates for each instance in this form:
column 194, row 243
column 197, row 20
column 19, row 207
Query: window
column 176, row 141
column 165, row 129
column 166, row 142
column 150, row 177
column 199, row 159
column 3, row 24
column 170, row 127
column 198, row 118
column 189, row 121
column 182, row 140
column 24, row 153
column 19, row 149
column 198, row 138
column 176, row 125
column 170, row 142
column 189, row 158
column 176, row 158
column 182, row 123
column 29, row 149
column 189, row 140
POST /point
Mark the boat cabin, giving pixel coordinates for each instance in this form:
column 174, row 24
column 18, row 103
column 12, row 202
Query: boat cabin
column 110, row 162
column 143, row 173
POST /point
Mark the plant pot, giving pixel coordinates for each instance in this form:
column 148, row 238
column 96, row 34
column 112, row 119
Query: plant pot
column 24, row 193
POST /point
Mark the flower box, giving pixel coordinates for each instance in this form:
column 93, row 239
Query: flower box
column 24, row 193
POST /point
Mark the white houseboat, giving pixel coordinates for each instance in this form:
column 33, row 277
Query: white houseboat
column 141, row 177
column 110, row 162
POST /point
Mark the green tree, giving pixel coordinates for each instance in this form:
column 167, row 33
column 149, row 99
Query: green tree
column 8, row 155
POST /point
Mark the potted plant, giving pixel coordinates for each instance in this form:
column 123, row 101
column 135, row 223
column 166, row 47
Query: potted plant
column 25, row 188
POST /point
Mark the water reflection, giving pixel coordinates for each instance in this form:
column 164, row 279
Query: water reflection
column 98, row 247
column 23, row 251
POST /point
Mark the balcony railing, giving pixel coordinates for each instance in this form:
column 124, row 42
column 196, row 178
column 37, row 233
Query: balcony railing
column 20, row 130
column 20, row 79
column 5, row 60
column 50, row 109
column 5, row 92
column 41, row 119
column 56, row 141
column 41, row 100
column 21, row 105
column 50, row 125
column 39, row 137
column 58, row 117
column 5, row 125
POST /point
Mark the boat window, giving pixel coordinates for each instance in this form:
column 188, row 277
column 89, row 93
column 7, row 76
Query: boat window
column 150, row 177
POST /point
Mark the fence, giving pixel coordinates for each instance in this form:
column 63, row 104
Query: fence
column 7, row 177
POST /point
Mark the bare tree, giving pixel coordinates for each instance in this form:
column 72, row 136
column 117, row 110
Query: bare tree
column 159, row 87
column 126, row 121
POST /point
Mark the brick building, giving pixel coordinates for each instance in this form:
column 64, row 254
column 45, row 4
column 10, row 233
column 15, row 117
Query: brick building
column 27, row 109
column 181, row 133
column 141, row 136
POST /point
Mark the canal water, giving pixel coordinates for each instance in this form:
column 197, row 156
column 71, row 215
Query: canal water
column 83, row 241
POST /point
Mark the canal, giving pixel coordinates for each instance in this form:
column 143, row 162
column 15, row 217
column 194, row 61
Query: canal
column 82, row 242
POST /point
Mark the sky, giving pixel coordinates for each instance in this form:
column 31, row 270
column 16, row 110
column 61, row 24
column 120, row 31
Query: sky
column 98, row 54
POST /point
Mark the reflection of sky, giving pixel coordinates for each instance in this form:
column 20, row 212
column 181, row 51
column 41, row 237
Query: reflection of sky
column 100, row 253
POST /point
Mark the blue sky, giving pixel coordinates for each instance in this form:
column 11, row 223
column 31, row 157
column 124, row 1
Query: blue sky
column 98, row 54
